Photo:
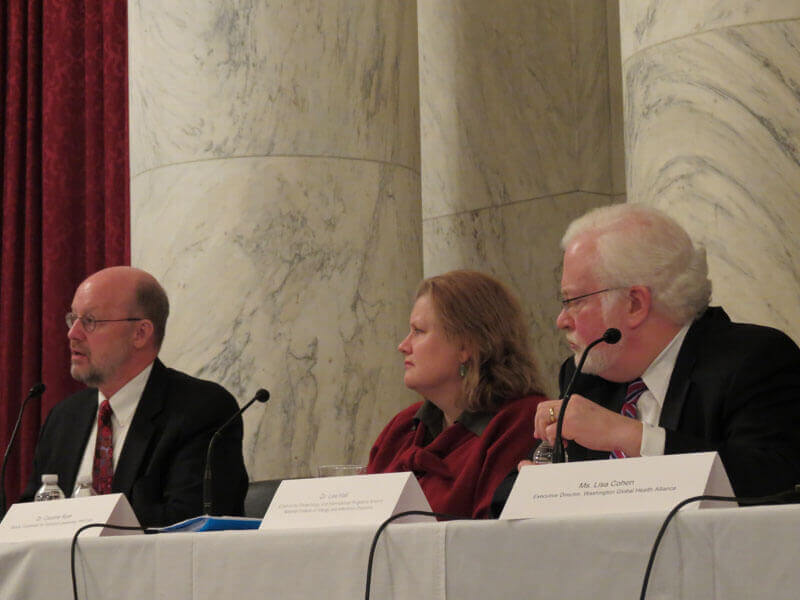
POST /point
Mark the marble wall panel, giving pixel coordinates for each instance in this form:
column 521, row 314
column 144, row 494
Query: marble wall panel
column 520, row 244
column 517, row 110
column 651, row 22
column 615, row 101
column 287, row 77
column 591, row 71
column 496, row 110
column 712, row 132
column 294, row 274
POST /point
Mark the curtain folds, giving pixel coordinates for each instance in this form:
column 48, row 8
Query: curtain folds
column 65, row 208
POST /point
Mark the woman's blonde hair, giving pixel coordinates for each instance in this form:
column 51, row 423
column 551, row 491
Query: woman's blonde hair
column 479, row 311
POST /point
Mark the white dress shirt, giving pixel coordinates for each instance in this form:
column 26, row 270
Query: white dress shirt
column 123, row 406
column 650, row 403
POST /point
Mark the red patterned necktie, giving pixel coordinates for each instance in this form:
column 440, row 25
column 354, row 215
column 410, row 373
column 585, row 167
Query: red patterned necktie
column 103, row 466
column 635, row 390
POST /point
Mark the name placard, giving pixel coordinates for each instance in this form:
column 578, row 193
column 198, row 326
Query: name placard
column 350, row 500
column 55, row 519
column 617, row 486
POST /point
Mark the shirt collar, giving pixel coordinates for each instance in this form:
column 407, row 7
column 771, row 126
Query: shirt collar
column 124, row 402
column 432, row 417
column 658, row 374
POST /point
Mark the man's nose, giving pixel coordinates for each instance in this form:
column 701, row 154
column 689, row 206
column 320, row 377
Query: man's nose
column 564, row 320
column 76, row 331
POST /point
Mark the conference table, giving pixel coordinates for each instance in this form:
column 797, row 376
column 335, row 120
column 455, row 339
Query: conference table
column 712, row 553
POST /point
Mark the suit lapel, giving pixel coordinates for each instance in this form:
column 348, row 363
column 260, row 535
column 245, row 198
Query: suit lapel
column 680, row 382
column 141, row 430
column 84, row 419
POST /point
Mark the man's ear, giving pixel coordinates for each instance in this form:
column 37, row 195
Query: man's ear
column 143, row 333
column 640, row 302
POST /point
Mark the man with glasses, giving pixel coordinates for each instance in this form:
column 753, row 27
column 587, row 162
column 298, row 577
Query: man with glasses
column 140, row 428
column 683, row 377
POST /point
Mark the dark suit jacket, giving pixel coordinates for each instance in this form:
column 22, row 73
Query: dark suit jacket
column 735, row 389
column 160, row 468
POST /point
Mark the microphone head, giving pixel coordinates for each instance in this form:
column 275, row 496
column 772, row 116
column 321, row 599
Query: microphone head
column 37, row 390
column 262, row 395
column 612, row 335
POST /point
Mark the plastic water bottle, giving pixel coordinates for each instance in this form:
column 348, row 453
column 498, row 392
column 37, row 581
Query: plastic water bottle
column 543, row 455
column 49, row 489
column 84, row 489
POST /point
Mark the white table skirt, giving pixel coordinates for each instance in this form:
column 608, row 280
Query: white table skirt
column 711, row 554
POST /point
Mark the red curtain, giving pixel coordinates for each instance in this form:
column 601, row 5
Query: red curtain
column 64, row 124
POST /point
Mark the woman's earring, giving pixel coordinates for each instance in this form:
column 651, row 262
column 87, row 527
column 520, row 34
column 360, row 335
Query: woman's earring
column 462, row 370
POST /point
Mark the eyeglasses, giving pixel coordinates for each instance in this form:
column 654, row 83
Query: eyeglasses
column 566, row 302
column 90, row 323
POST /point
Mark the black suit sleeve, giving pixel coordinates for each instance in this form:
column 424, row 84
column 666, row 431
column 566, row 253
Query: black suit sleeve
column 39, row 458
column 34, row 481
column 745, row 404
column 61, row 442
column 170, row 489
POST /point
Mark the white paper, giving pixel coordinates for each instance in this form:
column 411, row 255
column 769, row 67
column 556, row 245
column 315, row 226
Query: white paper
column 650, row 483
column 351, row 500
column 55, row 519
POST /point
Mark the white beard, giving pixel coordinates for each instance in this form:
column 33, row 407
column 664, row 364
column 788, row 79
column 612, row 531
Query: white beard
column 598, row 360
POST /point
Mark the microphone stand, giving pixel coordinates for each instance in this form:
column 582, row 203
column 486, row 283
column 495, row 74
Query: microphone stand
column 611, row 336
column 34, row 392
column 262, row 395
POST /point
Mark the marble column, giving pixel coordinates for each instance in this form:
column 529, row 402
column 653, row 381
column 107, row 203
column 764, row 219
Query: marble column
column 712, row 131
column 520, row 104
column 276, row 195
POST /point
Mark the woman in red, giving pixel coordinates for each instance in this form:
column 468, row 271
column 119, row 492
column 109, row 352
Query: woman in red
column 467, row 354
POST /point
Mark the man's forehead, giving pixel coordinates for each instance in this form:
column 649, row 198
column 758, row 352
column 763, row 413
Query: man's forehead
column 582, row 246
column 88, row 304
column 577, row 269
column 94, row 295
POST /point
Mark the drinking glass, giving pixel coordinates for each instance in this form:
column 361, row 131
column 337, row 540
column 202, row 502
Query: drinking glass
column 340, row 470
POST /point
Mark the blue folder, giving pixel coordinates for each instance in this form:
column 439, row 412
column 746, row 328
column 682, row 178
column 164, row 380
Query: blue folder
column 209, row 523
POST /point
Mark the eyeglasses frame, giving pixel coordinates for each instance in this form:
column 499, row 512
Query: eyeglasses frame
column 75, row 317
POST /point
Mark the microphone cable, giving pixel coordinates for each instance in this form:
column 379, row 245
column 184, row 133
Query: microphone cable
column 788, row 496
column 407, row 513
column 90, row 526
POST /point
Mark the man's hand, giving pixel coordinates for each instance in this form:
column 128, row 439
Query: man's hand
column 588, row 424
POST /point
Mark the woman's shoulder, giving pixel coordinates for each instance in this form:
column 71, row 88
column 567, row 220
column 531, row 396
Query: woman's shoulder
column 514, row 421
column 397, row 427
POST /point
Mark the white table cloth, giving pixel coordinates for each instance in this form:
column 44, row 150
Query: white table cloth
column 735, row 553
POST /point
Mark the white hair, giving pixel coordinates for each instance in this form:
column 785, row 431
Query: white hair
column 640, row 245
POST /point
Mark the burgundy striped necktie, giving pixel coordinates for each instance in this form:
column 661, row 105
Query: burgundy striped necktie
column 635, row 390
column 103, row 466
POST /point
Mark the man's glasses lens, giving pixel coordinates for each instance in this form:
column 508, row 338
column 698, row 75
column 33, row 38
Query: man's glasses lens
column 87, row 321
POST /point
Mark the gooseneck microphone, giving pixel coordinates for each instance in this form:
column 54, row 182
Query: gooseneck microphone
column 611, row 336
column 36, row 391
column 262, row 395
